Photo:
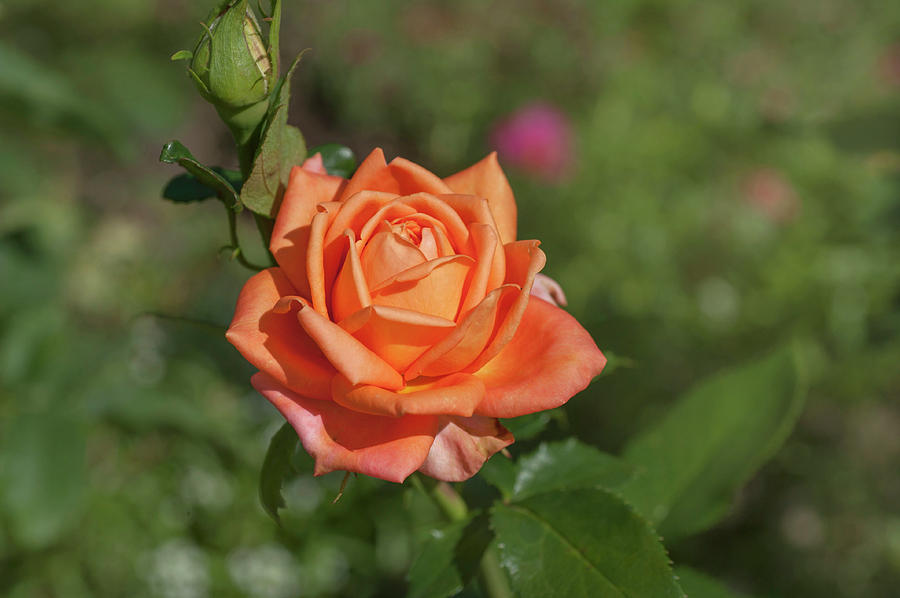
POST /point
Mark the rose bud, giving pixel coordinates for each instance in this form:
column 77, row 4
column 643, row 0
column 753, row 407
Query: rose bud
column 400, row 323
column 233, row 67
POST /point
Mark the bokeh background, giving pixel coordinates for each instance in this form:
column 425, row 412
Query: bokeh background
column 709, row 179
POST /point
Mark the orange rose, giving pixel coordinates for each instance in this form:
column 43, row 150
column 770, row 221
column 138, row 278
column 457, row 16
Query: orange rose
column 398, row 325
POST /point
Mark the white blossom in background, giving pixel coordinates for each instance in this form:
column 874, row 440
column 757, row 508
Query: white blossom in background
column 147, row 365
column 176, row 569
column 328, row 570
column 718, row 301
column 303, row 494
column 267, row 571
column 205, row 488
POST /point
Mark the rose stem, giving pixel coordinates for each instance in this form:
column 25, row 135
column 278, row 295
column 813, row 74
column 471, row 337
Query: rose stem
column 492, row 578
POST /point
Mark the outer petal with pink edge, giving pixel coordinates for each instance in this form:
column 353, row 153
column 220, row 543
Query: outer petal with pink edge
column 463, row 445
column 388, row 448
column 275, row 342
column 486, row 179
column 549, row 360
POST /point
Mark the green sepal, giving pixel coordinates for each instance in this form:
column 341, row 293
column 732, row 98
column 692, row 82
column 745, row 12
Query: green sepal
column 339, row 160
column 274, row 37
column 174, row 152
column 275, row 468
column 281, row 148
column 182, row 55
column 185, row 187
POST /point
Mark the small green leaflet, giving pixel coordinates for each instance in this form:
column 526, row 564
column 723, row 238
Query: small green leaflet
column 185, row 187
column 276, row 466
column 176, row 153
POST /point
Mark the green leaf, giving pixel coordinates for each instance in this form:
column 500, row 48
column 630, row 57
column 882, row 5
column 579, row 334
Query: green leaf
column 583, row 543
column 699, row 585
column 174, row 152
column 276, row 466
column 43, row 479
column 711, row 442
column 432, row 574
column 565, row 465
column 500, row 472
column 185, row 187
column 528, row 426
column 339, row 160
column 281, row 147
column 476, row 537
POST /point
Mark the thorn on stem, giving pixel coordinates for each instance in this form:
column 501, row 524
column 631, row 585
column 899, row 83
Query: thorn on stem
column 341, row 489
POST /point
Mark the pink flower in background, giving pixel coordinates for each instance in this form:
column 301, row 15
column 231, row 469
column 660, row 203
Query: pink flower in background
column 536, row 138
column 767, row 190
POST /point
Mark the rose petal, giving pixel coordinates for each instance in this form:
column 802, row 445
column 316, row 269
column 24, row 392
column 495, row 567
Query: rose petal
column 372, row 175
column 315, row 163
column 429, row 244
column 463, row 445
column 315, row 255
column 424, row 221
column 433, row 287
column 339, row 439
column 353, row 215
column 412, row 178
column 348, row 356
column 351, row 292
column 549, row 360
column 473, row 210
column 275, row 343
column 290, row 235
column 523, row 261
column 486, row 179
column 457, row 394
column 398, row 336
column 549, row 290
column 386, row 255
column 388, row 212
column 446, row 215
column 486, row 244
column 459, row 349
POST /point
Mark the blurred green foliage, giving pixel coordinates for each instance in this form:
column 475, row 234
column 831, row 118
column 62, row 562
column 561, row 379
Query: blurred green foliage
column 737, row 183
